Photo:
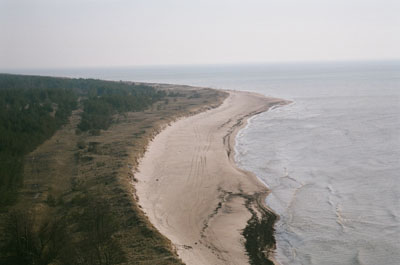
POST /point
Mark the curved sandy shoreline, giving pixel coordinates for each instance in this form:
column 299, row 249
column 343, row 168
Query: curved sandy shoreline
column 193, row 192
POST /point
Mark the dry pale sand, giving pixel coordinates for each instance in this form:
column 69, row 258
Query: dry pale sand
column 192, row 191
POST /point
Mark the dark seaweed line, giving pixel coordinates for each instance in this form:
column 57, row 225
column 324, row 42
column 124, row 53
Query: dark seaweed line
column 259, row 233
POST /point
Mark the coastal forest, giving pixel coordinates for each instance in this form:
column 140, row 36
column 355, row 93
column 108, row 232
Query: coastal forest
column 68, row 152
column 33, row 108
column 73, row 225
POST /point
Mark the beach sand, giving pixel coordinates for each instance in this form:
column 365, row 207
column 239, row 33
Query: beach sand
column 191, row 189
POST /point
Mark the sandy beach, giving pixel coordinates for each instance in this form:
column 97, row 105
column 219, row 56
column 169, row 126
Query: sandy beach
column 194, row 194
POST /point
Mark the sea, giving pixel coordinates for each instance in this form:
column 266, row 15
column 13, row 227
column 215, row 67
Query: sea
column 331, row 158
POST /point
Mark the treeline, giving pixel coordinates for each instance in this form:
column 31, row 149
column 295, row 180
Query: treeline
column 104, row 101
column 33, row 108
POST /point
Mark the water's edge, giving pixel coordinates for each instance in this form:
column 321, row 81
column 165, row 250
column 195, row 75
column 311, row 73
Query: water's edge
column 259, row 232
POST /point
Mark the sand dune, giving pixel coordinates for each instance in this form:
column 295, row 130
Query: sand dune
column 192, row 191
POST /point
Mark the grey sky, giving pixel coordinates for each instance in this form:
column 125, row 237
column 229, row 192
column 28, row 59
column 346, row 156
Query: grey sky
column 79, row 33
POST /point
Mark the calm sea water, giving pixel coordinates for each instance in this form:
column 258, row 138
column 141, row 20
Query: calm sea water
column 331, row 158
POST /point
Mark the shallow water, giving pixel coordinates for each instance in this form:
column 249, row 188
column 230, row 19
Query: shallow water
column 331, row 158
column 333, row 175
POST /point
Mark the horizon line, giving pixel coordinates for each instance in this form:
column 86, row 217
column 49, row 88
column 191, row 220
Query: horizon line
column 395, row 60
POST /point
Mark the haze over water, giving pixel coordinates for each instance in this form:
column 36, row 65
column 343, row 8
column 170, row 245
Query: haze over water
column 331, row 158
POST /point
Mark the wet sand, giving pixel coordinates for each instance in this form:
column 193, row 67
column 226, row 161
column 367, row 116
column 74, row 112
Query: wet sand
column 194, row 194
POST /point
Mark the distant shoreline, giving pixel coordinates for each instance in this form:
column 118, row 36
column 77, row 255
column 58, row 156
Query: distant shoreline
column 193, row 192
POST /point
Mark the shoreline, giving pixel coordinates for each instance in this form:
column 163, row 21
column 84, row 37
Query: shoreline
column 194, row 193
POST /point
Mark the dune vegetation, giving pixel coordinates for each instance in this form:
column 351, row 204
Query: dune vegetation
column 68, row 153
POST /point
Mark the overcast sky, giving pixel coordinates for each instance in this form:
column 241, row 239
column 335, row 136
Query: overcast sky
column 87, row 33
